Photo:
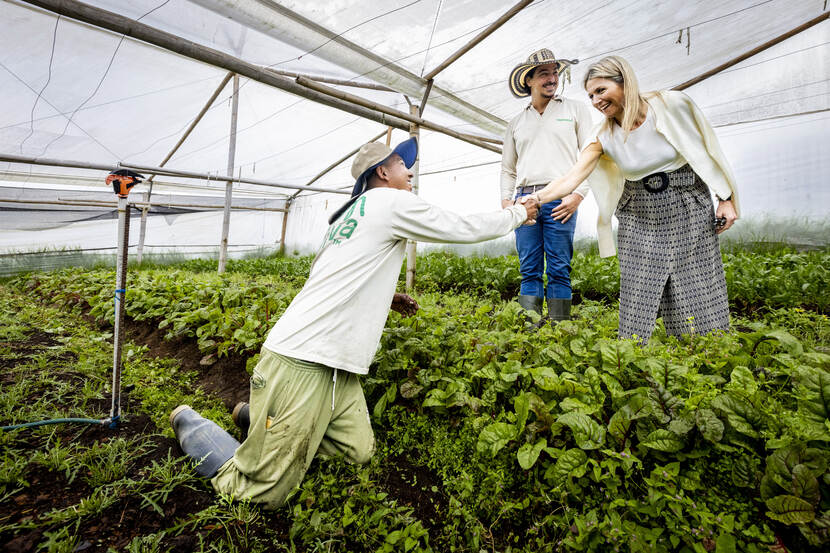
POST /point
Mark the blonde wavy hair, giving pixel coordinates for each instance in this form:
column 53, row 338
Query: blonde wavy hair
column 620, row 71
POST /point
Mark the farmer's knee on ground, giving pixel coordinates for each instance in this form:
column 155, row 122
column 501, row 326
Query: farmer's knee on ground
column 364, row 450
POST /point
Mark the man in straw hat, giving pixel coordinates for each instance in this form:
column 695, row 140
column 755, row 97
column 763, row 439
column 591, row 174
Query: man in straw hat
column 305, row 393
column 541, row 144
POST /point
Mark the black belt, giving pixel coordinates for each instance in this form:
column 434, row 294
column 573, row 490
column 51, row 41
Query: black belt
column 664, row 182
column 531, row 189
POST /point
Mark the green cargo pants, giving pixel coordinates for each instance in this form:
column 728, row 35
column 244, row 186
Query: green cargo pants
column 298, row 409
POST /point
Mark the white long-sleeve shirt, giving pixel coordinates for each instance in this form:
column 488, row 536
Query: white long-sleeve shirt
column 338, row 317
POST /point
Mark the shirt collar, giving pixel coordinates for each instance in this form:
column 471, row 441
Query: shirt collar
column 555, row 99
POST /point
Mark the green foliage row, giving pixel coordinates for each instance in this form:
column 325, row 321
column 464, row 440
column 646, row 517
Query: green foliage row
column 570, row 439
column 621, row 441
column 772, row 278
column 782, row 278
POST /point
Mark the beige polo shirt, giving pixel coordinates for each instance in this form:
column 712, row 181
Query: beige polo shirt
column 541, row 147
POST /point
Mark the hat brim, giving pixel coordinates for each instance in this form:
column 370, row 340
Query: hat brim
column 408, row 150
column 519, row 88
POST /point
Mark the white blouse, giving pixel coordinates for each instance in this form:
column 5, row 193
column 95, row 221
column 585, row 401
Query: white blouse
column 645, row 152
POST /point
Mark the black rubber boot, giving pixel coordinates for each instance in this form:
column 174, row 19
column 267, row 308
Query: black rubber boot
column 202, row 440
column 531, row 303
column 242, row 417
column 559, row 309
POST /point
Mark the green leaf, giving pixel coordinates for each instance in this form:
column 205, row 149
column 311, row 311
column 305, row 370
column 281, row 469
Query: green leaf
column 410, row 389
column 570, row 463
column 743, row 381
column 495, row 436
column 522, row 406
column 588, row 434
column 741, row 414
column 621, row 422
column 664, row 440
column 790, row 509
column 782, row 463
column 814, row 397
column 529, row 453
column 710, row 426
column 393, row 537
column 616, row 354
column 790, row 343
column 805, row 484
column 725, row 544
column 682, row 424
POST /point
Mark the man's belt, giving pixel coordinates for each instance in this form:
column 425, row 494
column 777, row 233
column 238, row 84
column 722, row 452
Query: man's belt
column 530, row 189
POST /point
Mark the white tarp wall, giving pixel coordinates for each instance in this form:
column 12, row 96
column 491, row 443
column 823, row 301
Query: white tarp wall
column 73, row 91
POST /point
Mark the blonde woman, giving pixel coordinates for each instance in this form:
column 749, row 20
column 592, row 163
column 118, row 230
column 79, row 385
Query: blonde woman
column 657, row 162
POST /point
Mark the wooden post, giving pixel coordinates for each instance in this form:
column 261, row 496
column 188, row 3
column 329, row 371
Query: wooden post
column 410, row 245
column 226, row 217
column 142, row 231
column 284, row 226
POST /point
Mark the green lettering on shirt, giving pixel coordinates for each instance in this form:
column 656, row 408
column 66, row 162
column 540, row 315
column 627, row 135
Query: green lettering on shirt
column 564, row 119
column 344, row 229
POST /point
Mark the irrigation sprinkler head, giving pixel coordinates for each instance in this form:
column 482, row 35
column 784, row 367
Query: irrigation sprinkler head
column 123, row 180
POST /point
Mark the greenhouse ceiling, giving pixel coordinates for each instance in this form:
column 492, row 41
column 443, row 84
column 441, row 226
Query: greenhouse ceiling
column 76, row 91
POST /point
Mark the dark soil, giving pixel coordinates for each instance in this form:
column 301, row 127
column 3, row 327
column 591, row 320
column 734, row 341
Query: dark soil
column 416, row 487
column 225, row 378
column 128, row 517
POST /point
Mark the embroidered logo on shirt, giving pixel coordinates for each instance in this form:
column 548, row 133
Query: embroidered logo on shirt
column 344, row 229
column 563, row 119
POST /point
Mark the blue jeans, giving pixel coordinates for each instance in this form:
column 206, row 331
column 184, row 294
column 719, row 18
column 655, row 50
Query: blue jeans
column 546, row 240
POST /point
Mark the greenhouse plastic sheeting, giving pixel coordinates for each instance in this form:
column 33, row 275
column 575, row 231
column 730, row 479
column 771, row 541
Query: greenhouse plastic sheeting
column 73, row 91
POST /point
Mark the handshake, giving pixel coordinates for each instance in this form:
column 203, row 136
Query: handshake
column 531, row 203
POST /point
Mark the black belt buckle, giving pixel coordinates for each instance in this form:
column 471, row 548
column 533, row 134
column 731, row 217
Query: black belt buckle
column 664, row 182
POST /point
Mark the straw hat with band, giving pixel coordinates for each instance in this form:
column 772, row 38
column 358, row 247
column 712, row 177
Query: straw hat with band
column 370, row 157
column 541, row 57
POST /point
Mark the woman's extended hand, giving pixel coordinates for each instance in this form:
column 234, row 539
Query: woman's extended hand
column 726, row 210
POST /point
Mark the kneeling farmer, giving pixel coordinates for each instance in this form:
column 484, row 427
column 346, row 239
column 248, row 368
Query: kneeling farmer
column 305, row 392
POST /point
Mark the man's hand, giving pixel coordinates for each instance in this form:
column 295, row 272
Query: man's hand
column 404, row 304
column 726, row 210
column 531, row 204
column 506, row 203
column 564, row 211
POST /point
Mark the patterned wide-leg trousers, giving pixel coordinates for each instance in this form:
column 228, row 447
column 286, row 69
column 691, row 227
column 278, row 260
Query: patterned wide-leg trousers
column 670, row 262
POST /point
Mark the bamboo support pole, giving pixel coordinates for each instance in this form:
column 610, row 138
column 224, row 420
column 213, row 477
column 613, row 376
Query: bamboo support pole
column 226, row 215
column 330, row 80
column 412, row 117
column 754, row 51
column 284, row 228
column 103, row 203
column 478, row 38
column 411, row 246
column 13, row 158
